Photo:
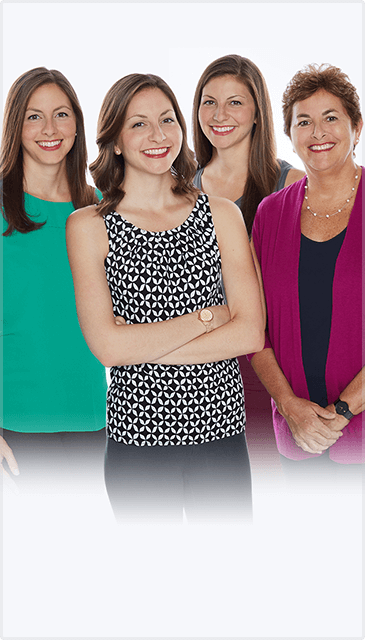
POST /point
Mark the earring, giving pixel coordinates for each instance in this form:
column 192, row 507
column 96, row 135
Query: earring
column 75, row 134
column 117, row 152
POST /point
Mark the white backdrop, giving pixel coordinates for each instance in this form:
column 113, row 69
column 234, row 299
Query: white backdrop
column 95, row 44
column 78, row 575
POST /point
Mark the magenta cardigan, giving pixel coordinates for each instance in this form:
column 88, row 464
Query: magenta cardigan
column 276, row 235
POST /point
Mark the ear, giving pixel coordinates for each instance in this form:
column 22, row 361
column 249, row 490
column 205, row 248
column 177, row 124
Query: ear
column 358, row 130
column 117, row 151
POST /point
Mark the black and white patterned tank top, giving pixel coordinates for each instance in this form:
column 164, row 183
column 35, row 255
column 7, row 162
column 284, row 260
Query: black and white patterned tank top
column 155, row 276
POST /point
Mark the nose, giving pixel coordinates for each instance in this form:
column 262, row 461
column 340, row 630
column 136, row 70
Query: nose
column 318, row 130
column 49, row 126
column 220, row 113
column 157, row 134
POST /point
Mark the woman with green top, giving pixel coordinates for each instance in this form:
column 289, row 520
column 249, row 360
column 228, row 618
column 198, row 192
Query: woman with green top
column 54, row 389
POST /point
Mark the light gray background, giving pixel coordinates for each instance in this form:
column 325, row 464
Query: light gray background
column 70, row 572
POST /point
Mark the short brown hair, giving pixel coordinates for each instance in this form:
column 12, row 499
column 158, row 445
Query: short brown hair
column 108, row 169
column 263, row 168
column 314, row 77
column 11, row 160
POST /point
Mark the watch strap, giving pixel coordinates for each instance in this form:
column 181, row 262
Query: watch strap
column 342, row 408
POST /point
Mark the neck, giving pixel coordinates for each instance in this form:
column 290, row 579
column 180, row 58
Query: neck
column 47, row 182
column 231, row 162
column 144, row 191
column 334, row 180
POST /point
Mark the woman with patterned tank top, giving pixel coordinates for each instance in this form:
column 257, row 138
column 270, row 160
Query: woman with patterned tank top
column 147, row 265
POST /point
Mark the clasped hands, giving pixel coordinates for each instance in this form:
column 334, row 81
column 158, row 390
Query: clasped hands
column 314, row 428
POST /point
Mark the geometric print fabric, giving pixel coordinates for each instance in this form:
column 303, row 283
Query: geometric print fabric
column 155, row 276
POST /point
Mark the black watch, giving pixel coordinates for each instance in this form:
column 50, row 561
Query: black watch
column 342, row 408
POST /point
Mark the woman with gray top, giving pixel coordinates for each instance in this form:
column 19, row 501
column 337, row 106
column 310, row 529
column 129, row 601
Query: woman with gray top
column 235, row 149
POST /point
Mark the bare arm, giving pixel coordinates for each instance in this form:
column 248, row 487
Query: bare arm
column 244, row 332
column 112, row 344
column 309, row 423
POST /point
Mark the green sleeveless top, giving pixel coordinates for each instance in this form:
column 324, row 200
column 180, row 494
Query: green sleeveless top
column 52, row 382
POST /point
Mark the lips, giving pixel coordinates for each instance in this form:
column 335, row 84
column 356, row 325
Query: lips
column 221, row 131
column 317, row 148
column 49, row 145
column 156, row 153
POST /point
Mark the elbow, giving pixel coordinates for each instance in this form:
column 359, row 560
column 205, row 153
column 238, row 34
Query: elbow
column 260, row 344
column 254, row 341
column 258, row 340
column 109, row 359
column 107, row 356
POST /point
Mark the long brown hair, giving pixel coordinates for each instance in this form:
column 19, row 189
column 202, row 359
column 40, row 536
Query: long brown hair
column 108, row 169
column 263, row 167
column 11, row 157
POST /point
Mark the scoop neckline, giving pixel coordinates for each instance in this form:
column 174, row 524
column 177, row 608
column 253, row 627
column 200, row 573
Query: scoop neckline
column 164, row 230
column 324, row 241
column 29, row 195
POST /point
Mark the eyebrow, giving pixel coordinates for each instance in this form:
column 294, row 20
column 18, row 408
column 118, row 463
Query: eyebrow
column 57, row 109
column 236, row 95
column 139, row 115
column 325, row 113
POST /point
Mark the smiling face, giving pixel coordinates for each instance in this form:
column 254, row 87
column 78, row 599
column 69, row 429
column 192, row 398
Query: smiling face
column 322, row 133
column 151, row 137
column 227, row 112
column 49, row 126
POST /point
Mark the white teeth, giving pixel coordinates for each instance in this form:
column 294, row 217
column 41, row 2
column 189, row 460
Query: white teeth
column 51, row 143
column 222, row 129
column 155, row 152
column 321, row 147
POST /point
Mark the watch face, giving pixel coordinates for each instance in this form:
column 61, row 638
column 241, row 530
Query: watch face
column 342, row 407
column 206, row 315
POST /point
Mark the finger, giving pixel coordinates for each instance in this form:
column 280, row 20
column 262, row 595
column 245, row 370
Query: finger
column 10, row 459
column 324, row 413
column 324, row 441
column 119, row 320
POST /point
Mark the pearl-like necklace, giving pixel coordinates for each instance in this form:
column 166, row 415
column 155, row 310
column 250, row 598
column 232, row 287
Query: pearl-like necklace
column 329, row 215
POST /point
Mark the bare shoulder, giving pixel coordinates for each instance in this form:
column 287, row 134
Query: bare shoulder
column 86, row 216
column 228, row 222
column 86, row 231
column 85, row 221
column 222, row 207
column 293, row 176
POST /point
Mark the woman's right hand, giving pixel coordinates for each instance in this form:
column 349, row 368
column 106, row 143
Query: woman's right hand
column 304, row 420
column 7, row 454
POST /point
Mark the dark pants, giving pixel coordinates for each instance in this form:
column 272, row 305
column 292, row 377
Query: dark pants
column 57, row 461
column 211, row 482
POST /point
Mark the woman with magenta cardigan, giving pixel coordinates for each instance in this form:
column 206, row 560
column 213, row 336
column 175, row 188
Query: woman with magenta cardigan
column 308, row 242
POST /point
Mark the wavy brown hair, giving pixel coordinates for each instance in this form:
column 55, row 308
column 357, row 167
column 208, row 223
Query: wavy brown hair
column 11, row 155
column 108, row 169
column 314, row 77
column 263, row 167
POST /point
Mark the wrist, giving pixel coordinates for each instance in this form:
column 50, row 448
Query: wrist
column 206, row 317
column 342, row 409
column 283, row 404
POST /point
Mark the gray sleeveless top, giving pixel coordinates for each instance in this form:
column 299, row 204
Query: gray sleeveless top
column 284, row 170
